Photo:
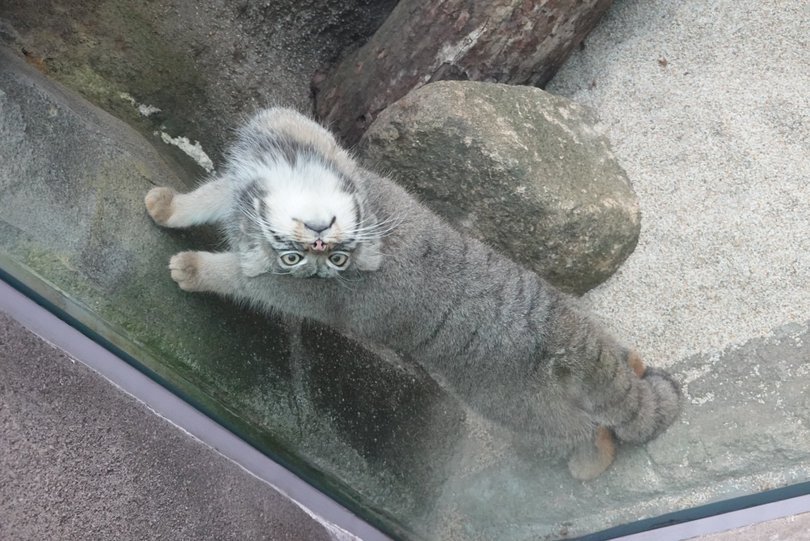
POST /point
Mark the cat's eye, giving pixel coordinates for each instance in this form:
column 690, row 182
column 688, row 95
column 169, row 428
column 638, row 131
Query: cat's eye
column 291, row 259
column 339, row 259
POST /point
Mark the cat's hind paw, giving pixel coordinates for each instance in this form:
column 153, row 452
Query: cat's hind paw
column 159, row 204
column 185, row 269
column 636, row 364
column 591, row 458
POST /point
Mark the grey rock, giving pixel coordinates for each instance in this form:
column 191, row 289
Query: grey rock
column 370, row 429
column 204, row 64
column 527, row 172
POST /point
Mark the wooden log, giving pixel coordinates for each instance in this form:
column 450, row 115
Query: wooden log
column 520, row 42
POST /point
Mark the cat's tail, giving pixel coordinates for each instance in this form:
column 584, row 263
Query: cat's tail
column 658, row 403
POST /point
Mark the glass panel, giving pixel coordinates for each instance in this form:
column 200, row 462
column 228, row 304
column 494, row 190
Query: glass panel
column 368, row 427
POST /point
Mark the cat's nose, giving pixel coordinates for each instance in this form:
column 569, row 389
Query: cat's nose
column 320, row 227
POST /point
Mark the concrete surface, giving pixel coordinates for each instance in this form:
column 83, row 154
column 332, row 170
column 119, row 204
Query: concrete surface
column 81, row 460
column 793, row 528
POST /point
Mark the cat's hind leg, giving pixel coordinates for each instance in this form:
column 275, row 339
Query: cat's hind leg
column 210, row 202
column 658, row 402
column 637, row 404
column 593, row 457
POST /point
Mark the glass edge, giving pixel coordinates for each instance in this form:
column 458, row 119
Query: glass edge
column 352, row 503
column 339, row 492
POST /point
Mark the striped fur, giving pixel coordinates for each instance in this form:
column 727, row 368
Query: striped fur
column 492, row 332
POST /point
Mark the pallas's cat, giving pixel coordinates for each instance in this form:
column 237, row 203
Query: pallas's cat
column 313, row 234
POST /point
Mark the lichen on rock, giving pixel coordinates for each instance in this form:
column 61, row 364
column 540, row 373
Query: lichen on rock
column 529, row 173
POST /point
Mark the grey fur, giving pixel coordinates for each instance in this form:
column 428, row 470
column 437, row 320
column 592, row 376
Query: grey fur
column 493, row 333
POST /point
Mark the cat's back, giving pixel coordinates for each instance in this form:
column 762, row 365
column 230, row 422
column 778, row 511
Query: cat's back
column 469, row 299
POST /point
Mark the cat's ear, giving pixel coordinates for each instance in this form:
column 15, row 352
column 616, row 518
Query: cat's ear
column 367, row 256
column 254, row 262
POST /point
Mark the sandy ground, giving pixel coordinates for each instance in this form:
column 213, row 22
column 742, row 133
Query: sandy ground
column 708, row 109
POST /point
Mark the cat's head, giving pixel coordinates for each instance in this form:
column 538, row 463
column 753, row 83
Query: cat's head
column 307, row 220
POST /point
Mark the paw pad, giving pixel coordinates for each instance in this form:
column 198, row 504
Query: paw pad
column 184, row 270
column 159, row 204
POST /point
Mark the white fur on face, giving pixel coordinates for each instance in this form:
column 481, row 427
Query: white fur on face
column 308, row 193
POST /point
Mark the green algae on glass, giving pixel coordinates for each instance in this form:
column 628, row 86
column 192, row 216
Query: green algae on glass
column 74, row 229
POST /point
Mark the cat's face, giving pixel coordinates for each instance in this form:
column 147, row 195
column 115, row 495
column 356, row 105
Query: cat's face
column 310, row 223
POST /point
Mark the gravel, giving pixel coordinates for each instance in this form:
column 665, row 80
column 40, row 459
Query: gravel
column 708, row 110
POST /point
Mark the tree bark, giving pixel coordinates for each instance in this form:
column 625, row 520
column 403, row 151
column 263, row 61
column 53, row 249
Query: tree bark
column 508, row 41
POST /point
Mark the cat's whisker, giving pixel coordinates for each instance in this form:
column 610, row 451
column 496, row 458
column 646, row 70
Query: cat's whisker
column 373, row 233
column 349, row 278
column 389, row 224
column 371, row 221
column 342, row 282
column 374, row 222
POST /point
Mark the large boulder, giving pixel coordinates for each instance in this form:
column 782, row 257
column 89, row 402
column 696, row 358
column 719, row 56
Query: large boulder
column 529, row 173
column 499, row 41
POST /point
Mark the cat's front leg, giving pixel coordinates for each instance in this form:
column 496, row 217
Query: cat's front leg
column 207, row 204
column 223, row 274
column 206, row 271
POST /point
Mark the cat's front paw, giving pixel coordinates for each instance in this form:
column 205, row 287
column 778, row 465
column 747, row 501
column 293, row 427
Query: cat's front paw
column 159, row 204
column 185, row 269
